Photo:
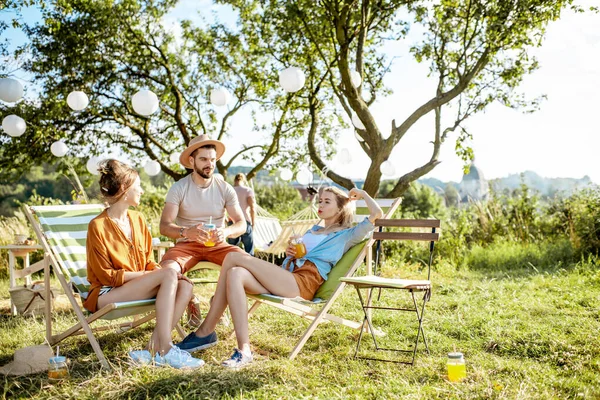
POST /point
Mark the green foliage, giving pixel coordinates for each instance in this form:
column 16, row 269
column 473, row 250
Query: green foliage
column 534, row 336
column 281, row 200
column 579, row 217
column 421, row 201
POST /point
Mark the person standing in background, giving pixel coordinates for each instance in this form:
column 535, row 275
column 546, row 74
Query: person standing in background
column 247, row 202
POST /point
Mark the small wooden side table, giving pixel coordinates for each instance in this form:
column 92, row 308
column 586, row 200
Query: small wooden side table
column 21, row 250
column 160, row 249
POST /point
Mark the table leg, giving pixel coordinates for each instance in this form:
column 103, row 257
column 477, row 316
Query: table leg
column 25, row 266
column 12, row 280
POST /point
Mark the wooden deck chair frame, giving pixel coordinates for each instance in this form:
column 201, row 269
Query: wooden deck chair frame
column 109, row 312
column 318, row 312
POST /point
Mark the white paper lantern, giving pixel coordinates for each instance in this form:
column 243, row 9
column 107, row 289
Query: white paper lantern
column 59, row 148
column 304, row 177
column 355, row 78
column 357, row 122
column 11, row 90
column 174, row 158
column 285, row 174
column 77, row 100
column 344, row 156
column 92, row 165
column 291, row 79
column 145, row 102
column 13, row 125
column 152, row 168
column 387, row 168
column 219, row 97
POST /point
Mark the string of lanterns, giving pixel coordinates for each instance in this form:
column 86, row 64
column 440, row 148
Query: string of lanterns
column 145, row 103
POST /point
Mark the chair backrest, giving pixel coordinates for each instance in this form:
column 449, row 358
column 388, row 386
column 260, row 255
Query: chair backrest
column 339, row 270
column 62, row 231
column 428, row 224
column 386, row 205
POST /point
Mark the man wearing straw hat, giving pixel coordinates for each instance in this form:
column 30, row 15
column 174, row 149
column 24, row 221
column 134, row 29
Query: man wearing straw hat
column 194, row 215
column 194, row 203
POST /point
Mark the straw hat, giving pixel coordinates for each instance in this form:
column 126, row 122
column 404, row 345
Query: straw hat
column 199, row 141
column 28, row 360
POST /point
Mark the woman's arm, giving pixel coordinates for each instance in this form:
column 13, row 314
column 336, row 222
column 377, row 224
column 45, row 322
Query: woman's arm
column 375, row 211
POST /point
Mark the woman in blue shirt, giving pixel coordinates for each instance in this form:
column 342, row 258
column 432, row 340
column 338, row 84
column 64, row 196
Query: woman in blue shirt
column 297, row 277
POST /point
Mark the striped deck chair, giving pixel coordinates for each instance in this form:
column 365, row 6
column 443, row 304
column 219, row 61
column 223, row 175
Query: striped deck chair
column 62, row 232
column 317, row 310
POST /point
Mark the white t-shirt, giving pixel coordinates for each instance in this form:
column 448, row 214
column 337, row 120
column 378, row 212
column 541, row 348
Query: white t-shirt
column 197, row 205
column 311, row 240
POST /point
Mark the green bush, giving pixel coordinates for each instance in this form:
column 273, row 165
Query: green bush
column 281, row 200
column 578, row 217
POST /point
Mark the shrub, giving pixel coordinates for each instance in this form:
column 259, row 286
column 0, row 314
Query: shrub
column 281, row 200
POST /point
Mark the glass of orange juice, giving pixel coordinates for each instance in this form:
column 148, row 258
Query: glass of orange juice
column 300, row 247
column 210, row 228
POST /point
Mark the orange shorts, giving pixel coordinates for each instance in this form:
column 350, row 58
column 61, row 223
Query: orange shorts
column 308, row 279
column 188, row 254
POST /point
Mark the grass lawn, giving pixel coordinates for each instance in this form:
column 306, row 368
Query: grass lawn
column 528, row 333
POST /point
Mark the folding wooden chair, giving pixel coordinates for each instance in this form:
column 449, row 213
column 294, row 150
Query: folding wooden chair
column 62, row 232
column 372, row 283
column 318, row 310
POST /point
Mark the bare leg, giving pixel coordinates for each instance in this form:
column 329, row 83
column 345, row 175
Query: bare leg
column 218, row 303
column 161, row 283
column 268, row 278
column 240, row 281
column 185, row 291
column 171, row 264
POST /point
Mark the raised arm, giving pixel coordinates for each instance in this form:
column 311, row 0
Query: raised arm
column 375, row 211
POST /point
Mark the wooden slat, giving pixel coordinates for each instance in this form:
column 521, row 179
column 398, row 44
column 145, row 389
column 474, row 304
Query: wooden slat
column 409, row 223
column 406, row 236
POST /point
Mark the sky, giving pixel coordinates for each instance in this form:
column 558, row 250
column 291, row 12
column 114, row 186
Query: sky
column 559, row 140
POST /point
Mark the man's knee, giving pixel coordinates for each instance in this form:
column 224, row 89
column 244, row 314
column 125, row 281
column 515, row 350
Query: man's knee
column 171, row 264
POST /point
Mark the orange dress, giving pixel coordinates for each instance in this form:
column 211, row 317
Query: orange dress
column 110, row 253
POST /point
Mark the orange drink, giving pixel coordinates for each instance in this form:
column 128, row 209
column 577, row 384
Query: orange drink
column 211, row 231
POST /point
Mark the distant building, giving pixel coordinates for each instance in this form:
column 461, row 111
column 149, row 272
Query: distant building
column 473, row 185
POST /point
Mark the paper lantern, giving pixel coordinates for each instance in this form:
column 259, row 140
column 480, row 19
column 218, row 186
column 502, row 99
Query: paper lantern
column 344, row 156
column 357, row 136
column 11, row 90
column 387, row 168
column 219, row 97
column 13, row 125
column 144, row 102
column 174, row 158
column 285, row 174
column 304, row 177
column 291, row 79
column 59, row 148
column 357, row 122
column 152, row 168
column 77, row 100
column 92, row 165
column 355, row 78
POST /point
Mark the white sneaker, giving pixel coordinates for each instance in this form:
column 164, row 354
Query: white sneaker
column 140, row 357
column 238, row 360
column 179, row 359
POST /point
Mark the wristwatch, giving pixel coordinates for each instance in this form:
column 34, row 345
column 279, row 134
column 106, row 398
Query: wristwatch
column 181, row 230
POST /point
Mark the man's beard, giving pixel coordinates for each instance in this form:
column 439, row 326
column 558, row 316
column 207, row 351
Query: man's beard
column 203, row 174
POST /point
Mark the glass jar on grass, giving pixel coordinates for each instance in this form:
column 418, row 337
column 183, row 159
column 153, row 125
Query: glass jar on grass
column 457, row 370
